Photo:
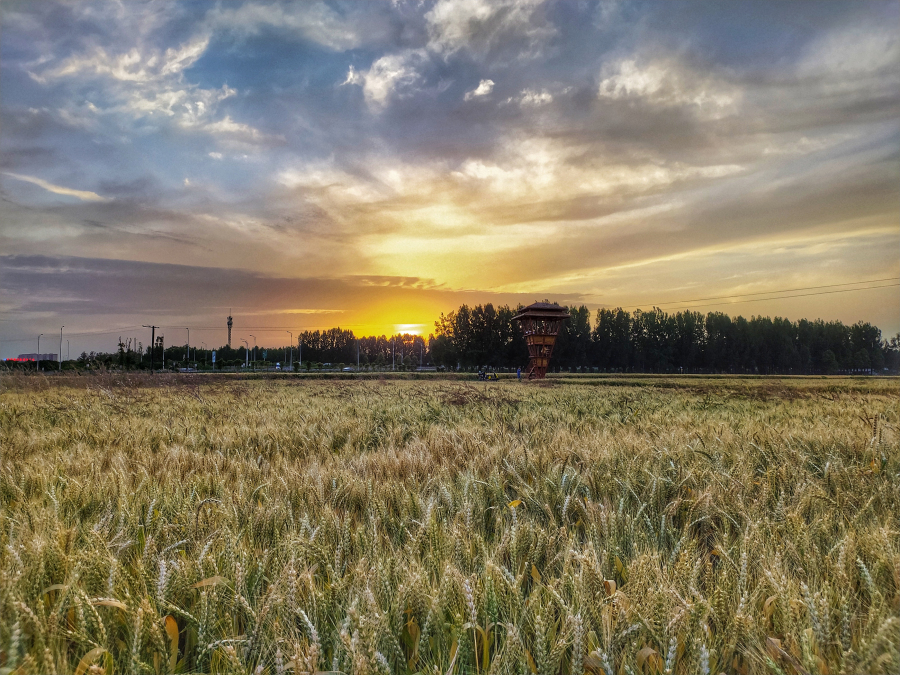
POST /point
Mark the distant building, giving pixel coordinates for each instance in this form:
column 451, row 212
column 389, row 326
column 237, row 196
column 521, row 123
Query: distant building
column 35, row 357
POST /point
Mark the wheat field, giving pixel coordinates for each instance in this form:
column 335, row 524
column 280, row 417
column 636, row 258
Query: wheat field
column 264, row 526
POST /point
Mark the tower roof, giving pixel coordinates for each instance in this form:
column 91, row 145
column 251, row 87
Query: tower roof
column 542, row 310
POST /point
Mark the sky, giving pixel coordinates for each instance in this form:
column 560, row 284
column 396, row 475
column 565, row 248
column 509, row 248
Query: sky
column 370, row 165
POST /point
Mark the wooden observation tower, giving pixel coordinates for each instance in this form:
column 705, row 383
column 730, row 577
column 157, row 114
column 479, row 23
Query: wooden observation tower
column 540, row 323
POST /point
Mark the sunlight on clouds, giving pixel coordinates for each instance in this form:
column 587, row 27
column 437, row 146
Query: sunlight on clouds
column 389, row 76
column 484, row 88
column 133, row 66
column 458, row 259
column 668, row 83
column 541, row 169
column 327, row 185
column 746, row 266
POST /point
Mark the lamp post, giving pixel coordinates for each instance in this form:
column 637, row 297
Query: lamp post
column 205, row 353
column 187, row 353
column 254, row 350
column 291, row 362
column 39, row 352
column 60, row 348
column 246, row 353
column 68, row 355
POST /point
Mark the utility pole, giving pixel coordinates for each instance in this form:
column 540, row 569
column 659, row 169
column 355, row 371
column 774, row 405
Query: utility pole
column 68, row 355
column 152, row 343
column 357, row 354
column 187, row 354
column 39, row 352
column 393, row 362
column 246, row 354
column 291, row 362
column 205, row 354
column 254, row 351
column 60, row 348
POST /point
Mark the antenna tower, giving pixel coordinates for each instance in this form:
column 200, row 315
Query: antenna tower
column 229, row 328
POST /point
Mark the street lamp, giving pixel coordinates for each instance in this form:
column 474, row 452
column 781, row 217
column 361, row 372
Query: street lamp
column 254, row 350
column 205, row 353
column 60, row 348
column 187, row 354
column 291, row 362
column 246, row 353
column 39, row 352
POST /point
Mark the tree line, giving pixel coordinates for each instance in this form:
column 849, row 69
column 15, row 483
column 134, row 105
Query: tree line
column 657, row 341
column 337, row 345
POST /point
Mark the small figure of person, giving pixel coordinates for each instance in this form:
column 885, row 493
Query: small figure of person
column 519, row 373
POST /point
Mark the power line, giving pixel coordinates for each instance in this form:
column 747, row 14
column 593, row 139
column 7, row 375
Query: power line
column 788, row 297
column 83, row 334
column 270, row 328
column 785, row 290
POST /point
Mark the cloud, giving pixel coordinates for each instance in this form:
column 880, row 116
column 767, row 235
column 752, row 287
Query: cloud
column 517, row 28
column 530, row 97
column 312, row 311
column 326, row 184
column 667, row 83
column 83, row 195
column 484, row 88
column 314, row 22
column 121, row 292
column 391, row 76
column 135, row 65
column 856, row 49
column 543, row 169
column 148, row 83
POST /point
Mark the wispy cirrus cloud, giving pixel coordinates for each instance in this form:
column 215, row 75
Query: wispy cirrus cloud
column 83, row 195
